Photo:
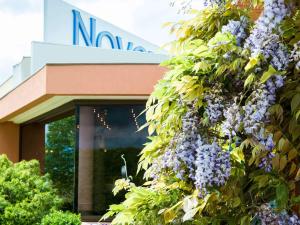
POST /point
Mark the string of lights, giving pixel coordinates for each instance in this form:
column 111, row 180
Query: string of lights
column 101, row 117
column 134, row 116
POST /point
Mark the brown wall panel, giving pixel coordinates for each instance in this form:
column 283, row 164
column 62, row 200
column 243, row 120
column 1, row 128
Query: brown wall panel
column 33, row 142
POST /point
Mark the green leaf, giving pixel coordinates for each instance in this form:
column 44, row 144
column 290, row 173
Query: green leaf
column 295, row 103
column 246, row 220
column 292, row 154
column 238, row 155
column 292, row 169
column 249, row 80
column 190, row 214
column 275, row 162
column 151, row 129
column 283, row 162
column 297, row 177
column 169, row 215
column 266, row 75
column 282, row 195
column 262, row 180
column 295, row 200
column 236, row 202
column 252, row 63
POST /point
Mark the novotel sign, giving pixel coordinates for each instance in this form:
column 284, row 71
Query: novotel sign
column 94, row 39
column 67, row 25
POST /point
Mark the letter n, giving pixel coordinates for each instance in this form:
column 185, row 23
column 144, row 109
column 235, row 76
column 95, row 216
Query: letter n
column 79, row 27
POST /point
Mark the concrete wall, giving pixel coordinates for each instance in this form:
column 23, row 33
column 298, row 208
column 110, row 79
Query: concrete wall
column 9, row 140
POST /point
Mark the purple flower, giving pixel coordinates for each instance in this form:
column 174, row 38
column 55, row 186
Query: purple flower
column 237, row 28
column 263, row 40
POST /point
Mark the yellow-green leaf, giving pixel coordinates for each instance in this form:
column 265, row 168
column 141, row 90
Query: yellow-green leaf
column 295, row 103
column 246, row 220
column 283, row 162
column 236, row 202
column 297, row 178
column 292, row 154
column 271, row 71
column 169, row 215
column 252, row 63
column 238, row 154
column 293, row 168
column 249, row 80
column 275, row 162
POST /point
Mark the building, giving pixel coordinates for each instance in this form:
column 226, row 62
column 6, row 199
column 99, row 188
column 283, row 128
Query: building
column 95, row 71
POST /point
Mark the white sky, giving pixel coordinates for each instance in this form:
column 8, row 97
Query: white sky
column 21, row 21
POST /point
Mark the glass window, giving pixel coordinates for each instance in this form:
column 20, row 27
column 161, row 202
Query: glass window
column 107, row 138
column 59, row 157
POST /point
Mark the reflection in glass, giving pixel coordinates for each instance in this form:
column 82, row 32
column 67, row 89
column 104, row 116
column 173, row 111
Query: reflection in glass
column 59, row 157
column 106, row 133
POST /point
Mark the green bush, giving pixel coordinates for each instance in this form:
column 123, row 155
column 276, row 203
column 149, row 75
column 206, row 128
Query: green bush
column 25, row 196
column 61, row 218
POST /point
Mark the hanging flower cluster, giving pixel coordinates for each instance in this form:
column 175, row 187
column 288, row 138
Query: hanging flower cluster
column 190, row 158
column 267, row 216
column 186, row 146
column 214, row 2
column 181, row 152
column 267, row 142
column 256, row 109
column 212, row 166
column 215, row 105
column 263, row 40
column 238, row 29
column 233, row 119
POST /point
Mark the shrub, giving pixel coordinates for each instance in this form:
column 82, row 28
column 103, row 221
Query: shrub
column 61, row 218
column 25, row 196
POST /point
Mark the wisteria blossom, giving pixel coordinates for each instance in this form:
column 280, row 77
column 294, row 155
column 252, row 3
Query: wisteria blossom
column 256, row 109
column 212, row 166
column 237, row 28
column 233, row 119
column 215, row 105
column 267, row 216
column 263, row 40
column 189, row 157
column 180, row 154
column 214, row 2
column 266, row 140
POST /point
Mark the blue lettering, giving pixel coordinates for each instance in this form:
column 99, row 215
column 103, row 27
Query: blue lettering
column 119, row 42
column 139, row 49
column 78, row 26
column 90, row 39
column 109, row 36
column 129, row 46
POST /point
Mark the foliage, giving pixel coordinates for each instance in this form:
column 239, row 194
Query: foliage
column 25, row 196
column 59, row 159
column 61, row 218
column 224, row 123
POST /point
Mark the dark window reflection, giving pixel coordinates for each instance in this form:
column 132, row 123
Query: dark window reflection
column 105, row 134
column 59, row 157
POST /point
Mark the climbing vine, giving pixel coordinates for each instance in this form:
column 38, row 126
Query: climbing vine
column 224, row 122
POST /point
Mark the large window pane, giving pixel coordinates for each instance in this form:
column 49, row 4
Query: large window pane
column 59, row 157
column 106, row 133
